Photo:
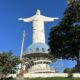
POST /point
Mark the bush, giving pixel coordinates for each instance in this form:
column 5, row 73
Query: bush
column 70, row 75
column 67, row 70
column 10, row 78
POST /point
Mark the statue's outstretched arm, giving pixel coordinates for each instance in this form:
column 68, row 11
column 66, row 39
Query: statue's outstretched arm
column 49, row 19
column 26, row 19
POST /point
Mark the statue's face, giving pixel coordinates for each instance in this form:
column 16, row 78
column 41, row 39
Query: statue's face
column 38, row 12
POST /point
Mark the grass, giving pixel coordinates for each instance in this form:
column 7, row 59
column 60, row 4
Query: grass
column 53, row 79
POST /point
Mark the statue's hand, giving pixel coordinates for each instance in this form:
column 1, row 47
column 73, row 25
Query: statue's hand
column 20, row 19
column 56, row 18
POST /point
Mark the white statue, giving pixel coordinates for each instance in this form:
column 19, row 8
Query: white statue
column 38, row 26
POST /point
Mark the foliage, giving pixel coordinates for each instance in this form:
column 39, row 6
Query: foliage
column 67, row 70
column 64, row 40
column 8, row 63
column 10, row 78
column 70, row 75
column 71, row 1
column 76, row 69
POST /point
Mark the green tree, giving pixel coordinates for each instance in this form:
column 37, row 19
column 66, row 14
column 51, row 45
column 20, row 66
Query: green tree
column 64, row 39
column 8, row 63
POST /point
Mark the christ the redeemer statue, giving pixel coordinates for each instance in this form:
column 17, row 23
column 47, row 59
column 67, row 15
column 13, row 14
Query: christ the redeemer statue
column 38, row 26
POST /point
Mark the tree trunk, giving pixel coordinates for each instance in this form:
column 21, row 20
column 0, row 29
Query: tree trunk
column 78, row 62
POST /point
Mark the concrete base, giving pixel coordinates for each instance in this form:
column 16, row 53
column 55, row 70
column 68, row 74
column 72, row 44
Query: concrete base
column 41, row 68
column 45, row 75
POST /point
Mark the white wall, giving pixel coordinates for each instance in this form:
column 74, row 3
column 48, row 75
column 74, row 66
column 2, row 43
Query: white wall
column 45, row 75
column 75, row 75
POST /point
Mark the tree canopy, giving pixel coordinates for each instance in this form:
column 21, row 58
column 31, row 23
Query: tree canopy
column 64, row 38
column 8, row 63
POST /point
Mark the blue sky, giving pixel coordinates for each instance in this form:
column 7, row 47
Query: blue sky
column 11, row 29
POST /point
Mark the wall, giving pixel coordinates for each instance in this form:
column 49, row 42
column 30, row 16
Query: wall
column 44, row 75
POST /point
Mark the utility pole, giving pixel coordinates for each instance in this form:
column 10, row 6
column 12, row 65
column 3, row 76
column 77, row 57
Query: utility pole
column 22, row 45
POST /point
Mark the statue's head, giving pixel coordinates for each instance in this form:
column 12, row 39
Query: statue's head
column 38, row 12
